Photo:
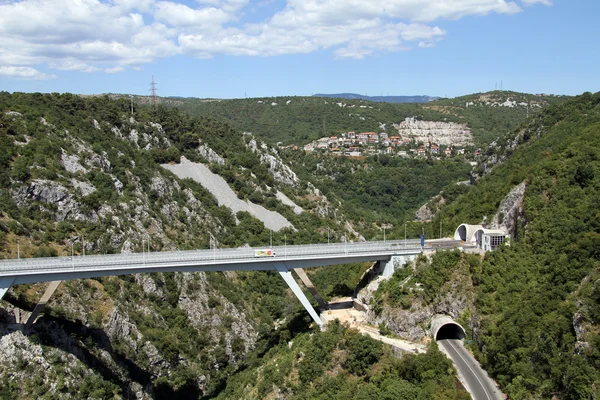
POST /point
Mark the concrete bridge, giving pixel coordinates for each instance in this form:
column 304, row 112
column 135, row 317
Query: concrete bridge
column 392, row 253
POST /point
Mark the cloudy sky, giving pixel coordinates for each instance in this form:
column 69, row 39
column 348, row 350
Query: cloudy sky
column 237, row 48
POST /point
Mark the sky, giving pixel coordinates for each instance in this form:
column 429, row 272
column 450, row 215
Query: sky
column 260, row 48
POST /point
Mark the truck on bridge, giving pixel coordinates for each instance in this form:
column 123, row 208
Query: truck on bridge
column 264, row 253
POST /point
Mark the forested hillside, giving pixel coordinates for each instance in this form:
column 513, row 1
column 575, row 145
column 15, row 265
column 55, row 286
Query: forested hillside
column 533, row 317
column 299, row 120
column 82, row 174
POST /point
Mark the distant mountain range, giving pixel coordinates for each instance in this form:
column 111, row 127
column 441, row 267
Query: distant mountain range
column 380, row 99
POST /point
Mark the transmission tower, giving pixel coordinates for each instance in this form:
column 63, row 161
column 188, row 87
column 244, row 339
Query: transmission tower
column 153, row 91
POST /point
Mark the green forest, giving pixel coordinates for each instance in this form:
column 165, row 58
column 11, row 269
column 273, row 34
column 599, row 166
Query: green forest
column 535, row 323
column 299, row 120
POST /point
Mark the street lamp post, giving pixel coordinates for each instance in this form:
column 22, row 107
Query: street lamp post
column 144, row 251
column 405, row 234
column 345, row 243
column 18, row 250
column 214, row 246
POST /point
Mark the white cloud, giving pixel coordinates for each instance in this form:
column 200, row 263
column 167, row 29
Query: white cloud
column 110, row 36
column 23, row 73
column 533, row 2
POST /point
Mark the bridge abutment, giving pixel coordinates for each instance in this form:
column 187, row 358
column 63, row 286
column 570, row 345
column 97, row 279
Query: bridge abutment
column 5, row 284
column 389, row 267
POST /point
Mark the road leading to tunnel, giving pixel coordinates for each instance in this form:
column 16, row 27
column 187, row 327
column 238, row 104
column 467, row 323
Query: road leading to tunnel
column 480, row 385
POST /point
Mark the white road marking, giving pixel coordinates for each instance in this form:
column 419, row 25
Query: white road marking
column 467, row 364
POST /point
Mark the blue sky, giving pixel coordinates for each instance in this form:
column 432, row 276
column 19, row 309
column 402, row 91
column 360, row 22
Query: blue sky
column 237, row 48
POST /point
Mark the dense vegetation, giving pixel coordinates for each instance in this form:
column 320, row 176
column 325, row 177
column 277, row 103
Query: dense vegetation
column 340, row 363
column 299, row 120
column 537, row 301
column 379, row 189
column 120, row 158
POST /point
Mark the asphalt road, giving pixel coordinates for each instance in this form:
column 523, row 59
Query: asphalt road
column 479, row 384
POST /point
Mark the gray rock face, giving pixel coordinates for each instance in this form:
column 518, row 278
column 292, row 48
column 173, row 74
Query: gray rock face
column 509, row 209
column 210, row 155
column 43, row 190
column 424, row 213
column 85, row 187
column 445, row 133
column 194, row 299
column 53, row 193
column 280, row 172
column 71, row 163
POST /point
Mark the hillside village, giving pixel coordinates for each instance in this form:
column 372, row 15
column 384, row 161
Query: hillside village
column 413, row 138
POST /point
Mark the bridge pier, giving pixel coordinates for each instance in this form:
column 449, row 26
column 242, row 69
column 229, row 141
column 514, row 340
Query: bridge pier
column 42, row 303
column 286, row 274
column 5, row 284
column 311, row 288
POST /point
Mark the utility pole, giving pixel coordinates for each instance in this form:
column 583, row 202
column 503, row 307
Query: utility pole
column 131, row 98
column 440, row 227
column 270, row 238
column 405, row 234
column 18, row 250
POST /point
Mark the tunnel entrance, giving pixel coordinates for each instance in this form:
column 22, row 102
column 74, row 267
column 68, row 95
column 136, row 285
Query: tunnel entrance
column 444, row 327
column 450, row 331
column 462, row 232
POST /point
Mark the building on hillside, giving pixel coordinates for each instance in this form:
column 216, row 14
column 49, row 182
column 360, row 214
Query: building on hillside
column 435, row 149
column 482, row 238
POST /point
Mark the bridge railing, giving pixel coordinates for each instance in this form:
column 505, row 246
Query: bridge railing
column 205, row 256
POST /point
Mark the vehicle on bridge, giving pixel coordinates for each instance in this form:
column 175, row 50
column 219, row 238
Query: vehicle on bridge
column 264, row 253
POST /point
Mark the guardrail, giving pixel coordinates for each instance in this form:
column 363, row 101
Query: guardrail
column 32, row 266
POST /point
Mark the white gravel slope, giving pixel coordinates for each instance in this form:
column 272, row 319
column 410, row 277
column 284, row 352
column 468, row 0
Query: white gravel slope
column 224, row 194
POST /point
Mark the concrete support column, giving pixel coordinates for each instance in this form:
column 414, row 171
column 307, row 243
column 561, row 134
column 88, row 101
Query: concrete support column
column 311, row 288
column 291, row 282
column 5, row 283
column 389, row 267
column 42, row 303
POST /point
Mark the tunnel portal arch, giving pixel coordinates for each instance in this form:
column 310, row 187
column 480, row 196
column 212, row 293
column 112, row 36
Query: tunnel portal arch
column 444, row 327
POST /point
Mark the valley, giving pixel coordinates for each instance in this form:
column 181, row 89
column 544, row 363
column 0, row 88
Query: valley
column 85, row 175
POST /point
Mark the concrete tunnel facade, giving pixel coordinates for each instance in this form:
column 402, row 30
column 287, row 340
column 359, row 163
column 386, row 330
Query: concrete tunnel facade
column 444, row 327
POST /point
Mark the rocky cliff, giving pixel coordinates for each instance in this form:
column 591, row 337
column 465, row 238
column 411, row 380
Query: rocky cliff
column 439, row 132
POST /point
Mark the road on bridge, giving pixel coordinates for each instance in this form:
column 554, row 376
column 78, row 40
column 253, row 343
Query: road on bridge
column 480, row 385
column 213, row 260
